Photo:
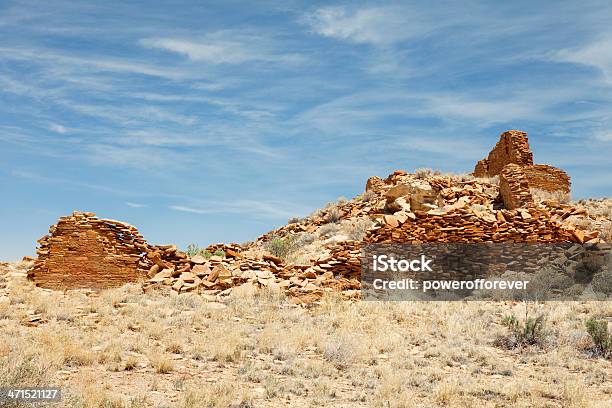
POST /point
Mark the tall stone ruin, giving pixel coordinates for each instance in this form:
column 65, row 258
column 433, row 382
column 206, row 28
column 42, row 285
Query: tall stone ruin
column 512, row 160
column 513, row 147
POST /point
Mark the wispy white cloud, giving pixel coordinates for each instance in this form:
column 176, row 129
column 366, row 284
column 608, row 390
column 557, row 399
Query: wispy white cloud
column 483, row 111
column 14, row 134
column 254, row 208
column 78, row 185
column 131, row 115
column 57, row 128
column 369, row 111
column 220, row 53
column 604, row 135
column 223, row 47
column 250, row 110
column 64, row 64
column 38, row 178
column 192, row 210
column 371, row 25
column 139, row 157
column 596, row 54
column 135, row 205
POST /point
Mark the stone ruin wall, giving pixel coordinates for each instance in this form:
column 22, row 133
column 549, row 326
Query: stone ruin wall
column 512, row 160
column 547, row 178
column 531, row 225
column 83, row 251
column 514, row 187
column 512, row 147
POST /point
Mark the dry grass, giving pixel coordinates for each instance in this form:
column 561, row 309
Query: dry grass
column 558, row 196
column 601, row 208
column 122, row 348
column 599, row 217
column 162, row 364
column 303, row 247
column 489, row 180
column 219, row 395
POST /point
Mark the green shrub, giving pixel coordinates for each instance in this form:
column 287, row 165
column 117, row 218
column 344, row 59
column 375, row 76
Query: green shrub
column 281, row 247
column 193, row 250
column 598, row 330
column 531, row 332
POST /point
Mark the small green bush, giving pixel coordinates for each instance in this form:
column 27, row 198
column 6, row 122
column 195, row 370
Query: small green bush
column 281, row 247
column 194, row 249
column 531, row 332
column 598, row 330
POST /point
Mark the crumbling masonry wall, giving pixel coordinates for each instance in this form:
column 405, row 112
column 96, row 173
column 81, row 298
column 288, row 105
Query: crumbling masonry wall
column 514, row 187
column 512, row 160
column 547, row 178
column 83, row 251
column 512, row 148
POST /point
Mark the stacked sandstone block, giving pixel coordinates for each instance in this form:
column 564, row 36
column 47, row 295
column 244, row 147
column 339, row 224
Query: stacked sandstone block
column 516, row 181
column 514, row 187
column 513, row 147
column 464, row 225
column 83, row 251
column 547, row 178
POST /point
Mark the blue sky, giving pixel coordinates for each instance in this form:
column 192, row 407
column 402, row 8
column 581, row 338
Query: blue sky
column 209, row 121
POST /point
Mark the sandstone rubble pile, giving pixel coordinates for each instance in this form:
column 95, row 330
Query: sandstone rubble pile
column 217, row 275
column 83, row 251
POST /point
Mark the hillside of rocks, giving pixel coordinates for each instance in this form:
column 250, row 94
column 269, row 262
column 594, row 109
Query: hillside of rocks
column 507, row 198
